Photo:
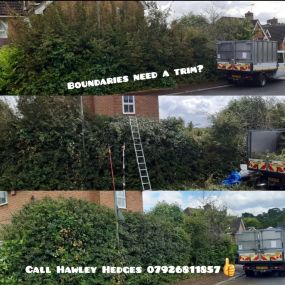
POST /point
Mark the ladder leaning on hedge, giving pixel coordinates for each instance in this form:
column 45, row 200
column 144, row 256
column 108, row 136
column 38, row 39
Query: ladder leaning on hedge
column 139, row 153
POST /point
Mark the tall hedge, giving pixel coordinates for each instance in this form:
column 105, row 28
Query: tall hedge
column 71, row 232
column 42, row 148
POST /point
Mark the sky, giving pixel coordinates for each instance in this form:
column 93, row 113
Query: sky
column 237, row 202
column 197, row 109
column 262, row 10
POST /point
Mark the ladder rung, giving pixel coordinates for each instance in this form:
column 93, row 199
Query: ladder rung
column 143, row 176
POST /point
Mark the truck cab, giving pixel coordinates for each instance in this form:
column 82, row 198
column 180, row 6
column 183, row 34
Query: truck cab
column 281, row 64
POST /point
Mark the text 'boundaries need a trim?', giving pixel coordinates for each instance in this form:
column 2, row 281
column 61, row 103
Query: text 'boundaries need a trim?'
column 135, row 77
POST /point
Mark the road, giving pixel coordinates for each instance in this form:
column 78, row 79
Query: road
column 273, row 88
column 264, row 280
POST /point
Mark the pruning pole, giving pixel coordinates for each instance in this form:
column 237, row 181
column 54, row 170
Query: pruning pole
column 124, row 173
column 115, row 198
column 83, row 153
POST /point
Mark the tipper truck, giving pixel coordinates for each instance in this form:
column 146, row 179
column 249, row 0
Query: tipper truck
column 261, row 250
column 245, row 60
column 266, row 157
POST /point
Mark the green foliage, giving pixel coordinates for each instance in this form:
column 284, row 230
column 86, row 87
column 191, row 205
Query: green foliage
column 71, row 232
column 210, row 244
column 274, row 217
column 171, row 213
column 84, row 41
column 42, row 148
column 8, row 58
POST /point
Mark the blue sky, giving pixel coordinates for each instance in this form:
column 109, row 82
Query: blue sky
column 237, row 202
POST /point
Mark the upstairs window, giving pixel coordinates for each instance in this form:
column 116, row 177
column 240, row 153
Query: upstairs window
column 3, row 30
column 3, row 198
column 128, row 104
column 121, row 199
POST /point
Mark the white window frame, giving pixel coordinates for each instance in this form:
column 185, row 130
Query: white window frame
column 128, row 104
column 121, row 199
column 4, row 31
column 5, row 197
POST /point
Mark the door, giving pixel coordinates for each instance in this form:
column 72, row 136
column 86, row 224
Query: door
column 281, row 65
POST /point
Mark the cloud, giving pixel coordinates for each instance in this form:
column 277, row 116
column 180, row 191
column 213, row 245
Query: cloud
column 192, row 108
column 263, row 10
column 237, row 202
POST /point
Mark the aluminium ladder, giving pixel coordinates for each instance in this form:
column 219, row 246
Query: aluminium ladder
column 139, row 153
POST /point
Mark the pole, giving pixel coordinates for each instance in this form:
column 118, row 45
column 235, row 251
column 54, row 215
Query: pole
column 115, row 198
column 83, row 153
column 124, row 172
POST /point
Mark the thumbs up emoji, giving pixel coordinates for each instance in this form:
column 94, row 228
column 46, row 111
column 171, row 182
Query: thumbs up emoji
column 229, row 269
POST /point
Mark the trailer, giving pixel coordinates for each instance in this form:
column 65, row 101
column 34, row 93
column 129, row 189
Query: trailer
column 266, row 158
column 246, row 60
column 261, row 250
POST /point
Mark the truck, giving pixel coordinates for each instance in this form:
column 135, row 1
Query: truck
column 261, row 250
column 266, row 158
column 257, row 61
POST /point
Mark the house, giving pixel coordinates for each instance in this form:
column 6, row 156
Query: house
column 12, row 201
column 272, row 31
column 10, row 10
column 117, row 105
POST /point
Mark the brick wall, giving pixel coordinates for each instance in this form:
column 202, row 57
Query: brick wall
column 134, row 200
column 20, row 198
column 145, row 105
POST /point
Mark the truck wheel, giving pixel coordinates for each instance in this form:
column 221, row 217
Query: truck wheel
column 261, row 80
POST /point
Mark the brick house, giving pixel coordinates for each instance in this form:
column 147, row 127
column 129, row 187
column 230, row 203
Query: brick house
column 15, row 8
column 12, row 201
column 272, row 31
column 116, row 105
column 10, row 10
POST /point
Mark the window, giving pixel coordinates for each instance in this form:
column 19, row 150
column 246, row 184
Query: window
column 121, row 199
column 3, row 198
column 280, row 56
column 3, row 30
column 128, row 104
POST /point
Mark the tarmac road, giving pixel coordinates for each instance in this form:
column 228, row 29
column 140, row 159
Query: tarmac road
column 276, row 87
column 264, row 280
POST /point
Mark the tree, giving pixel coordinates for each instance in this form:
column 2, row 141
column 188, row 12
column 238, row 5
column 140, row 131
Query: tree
column 168, row 212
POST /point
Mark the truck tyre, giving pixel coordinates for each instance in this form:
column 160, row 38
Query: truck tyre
column 248, row 273
column 261, row 80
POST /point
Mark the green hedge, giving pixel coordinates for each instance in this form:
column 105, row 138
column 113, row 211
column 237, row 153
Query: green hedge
column 71, row 232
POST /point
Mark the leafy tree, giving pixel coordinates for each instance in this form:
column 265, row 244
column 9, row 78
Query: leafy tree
column 168, row 212
column 252, row 222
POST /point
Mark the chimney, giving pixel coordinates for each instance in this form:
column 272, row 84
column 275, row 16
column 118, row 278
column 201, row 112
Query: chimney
column 249, row 16
column 273, row 21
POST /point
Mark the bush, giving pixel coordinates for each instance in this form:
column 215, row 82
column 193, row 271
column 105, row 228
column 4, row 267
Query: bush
column 71, row 232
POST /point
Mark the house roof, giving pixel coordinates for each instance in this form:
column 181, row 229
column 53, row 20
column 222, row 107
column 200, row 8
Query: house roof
column 277, row 32
column 235, row 226
column 8, row 8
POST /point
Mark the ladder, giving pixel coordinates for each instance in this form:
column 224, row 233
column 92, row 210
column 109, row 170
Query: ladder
column 139, row 153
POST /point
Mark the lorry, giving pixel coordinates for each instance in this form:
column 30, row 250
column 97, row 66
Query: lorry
column 257, row 61
column 266, row 158
column 261, row 250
